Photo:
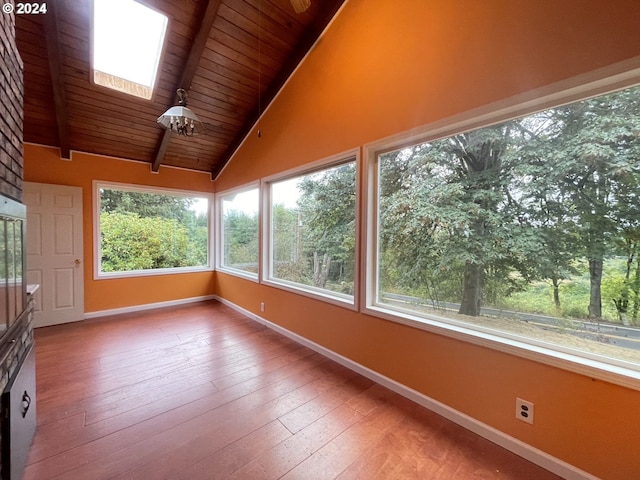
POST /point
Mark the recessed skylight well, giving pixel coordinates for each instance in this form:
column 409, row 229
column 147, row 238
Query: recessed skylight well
column 127, row 43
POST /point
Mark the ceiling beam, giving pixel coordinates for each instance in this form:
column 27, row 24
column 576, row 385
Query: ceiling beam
column 309, row 38
column 197, row 49
column 57, row 79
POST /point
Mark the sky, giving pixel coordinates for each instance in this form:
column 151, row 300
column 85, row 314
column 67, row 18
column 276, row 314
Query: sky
column 285, row 193
column 201, row 205
column 128, row 39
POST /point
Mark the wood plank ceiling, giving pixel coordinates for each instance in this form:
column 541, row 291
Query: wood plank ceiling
column 232, row 56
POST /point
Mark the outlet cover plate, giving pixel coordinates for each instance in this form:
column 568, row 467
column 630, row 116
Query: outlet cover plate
column 524, row 410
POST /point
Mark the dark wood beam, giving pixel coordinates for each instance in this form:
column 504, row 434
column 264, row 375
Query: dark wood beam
column 306, row 42
column 197, row 48
column 57, row 79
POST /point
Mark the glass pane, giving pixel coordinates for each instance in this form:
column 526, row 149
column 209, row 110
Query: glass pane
column 11, row 272
column 20, row 287
column 240, row 231
column 4, row 295
column 530, row 227
column 145, row 231
column 313, row 230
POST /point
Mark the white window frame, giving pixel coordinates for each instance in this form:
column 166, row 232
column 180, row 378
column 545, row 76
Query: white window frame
column 343, row 300
column 606, row 80
column 219, row 220
column 99, row 275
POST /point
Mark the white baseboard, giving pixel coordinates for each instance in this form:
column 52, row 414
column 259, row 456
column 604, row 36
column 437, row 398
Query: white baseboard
column 534, row 455
column 148, row 306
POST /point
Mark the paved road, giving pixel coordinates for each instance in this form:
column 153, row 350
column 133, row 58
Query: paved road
column 626, row 337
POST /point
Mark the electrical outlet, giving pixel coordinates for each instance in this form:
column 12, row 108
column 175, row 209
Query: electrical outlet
column 262, row 306
column 524, row 410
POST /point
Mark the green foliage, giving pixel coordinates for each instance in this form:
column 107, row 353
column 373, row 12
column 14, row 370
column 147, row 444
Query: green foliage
column 141, row 231
column 444, row 215
column 327, row 209
column 241, row 240
column 537, row 298
column 314, row 244
column 289, row 262
column 130, row 242
column 146, row 204
column 620, row 290
column 590, row 161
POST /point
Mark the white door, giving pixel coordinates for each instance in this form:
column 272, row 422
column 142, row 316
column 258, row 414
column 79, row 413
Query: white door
column 54, row 252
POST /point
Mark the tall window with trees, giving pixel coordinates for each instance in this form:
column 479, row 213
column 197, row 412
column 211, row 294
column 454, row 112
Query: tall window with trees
column 239, row 232
column 144, row 230
column 313, row 232
column 530, row 227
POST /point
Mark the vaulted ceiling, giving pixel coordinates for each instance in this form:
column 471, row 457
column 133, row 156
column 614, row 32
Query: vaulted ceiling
column 232, row 57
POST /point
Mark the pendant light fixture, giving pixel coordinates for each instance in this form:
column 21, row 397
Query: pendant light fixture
column 181, row 120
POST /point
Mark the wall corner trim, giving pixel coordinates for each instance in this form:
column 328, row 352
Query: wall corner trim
column 534, row 455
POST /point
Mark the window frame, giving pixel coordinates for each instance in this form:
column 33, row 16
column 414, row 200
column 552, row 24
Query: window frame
column 219, row 228
column 347, row 301
column 97, row 247
column 603, row 81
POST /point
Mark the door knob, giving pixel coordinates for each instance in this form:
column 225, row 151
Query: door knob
column 77, row 261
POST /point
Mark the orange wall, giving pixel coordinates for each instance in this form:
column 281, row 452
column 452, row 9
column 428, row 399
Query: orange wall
column 44, row 165
column 385, row 67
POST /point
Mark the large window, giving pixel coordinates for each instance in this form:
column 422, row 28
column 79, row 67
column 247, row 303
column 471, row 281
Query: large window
column 529, row 228
column 239, row 231
column 147, row 231
column 313, row 232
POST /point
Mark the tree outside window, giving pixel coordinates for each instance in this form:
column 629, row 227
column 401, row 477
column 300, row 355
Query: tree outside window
column 313, row 230
column 142, row 230
column 240, row 231
column 539, row 215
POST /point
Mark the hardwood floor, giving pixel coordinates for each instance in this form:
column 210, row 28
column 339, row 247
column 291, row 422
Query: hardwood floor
column 201, row 392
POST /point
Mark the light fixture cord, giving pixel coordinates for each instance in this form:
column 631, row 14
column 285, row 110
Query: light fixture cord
column 182, row 96
column 259, row 66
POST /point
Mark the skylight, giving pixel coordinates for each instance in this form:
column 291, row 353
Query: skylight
column 127, row 43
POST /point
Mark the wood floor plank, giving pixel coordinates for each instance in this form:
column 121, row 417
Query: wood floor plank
column 138, row 424
column 315, row 409
column 197, row 437
column 137, row 390
column 201, row 392
column 146, row 391
column 284, row 457
column 334, row 457
column 231, row 458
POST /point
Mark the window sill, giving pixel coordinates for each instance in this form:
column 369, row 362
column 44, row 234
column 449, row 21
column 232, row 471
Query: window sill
column 335, row 298
column 253, row 277
column 151, row 272
column 614, row 371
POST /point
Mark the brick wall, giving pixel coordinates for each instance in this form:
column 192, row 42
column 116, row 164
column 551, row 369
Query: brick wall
column 11, row 111
column 16, row 342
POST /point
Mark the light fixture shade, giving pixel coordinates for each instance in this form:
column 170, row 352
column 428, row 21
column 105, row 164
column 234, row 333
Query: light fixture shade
column 181, row 120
